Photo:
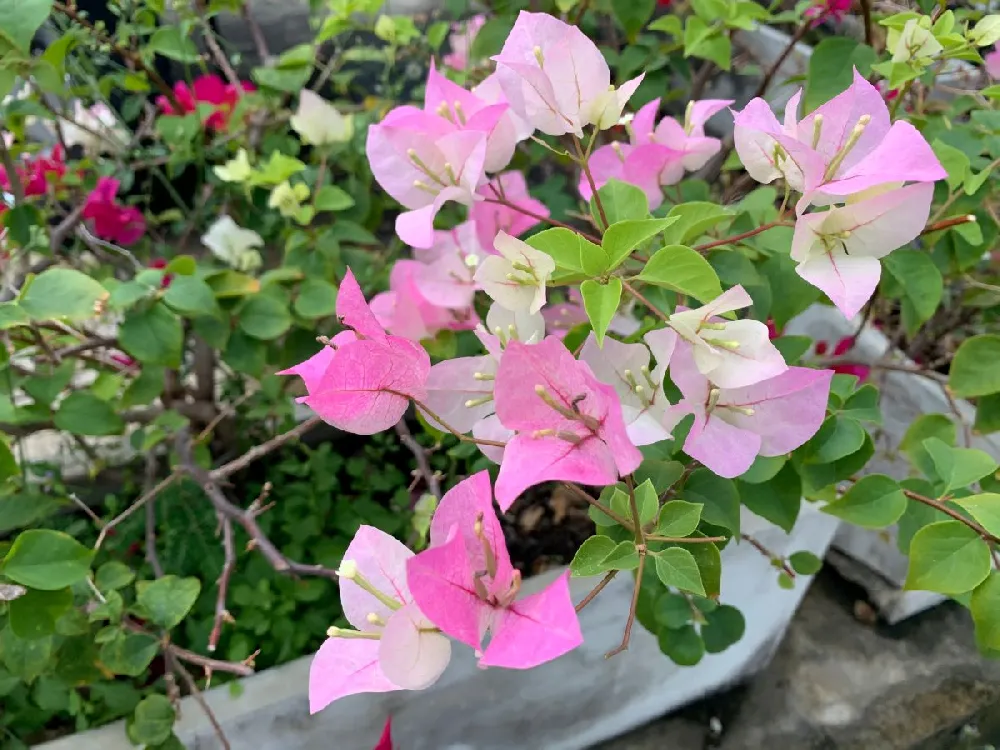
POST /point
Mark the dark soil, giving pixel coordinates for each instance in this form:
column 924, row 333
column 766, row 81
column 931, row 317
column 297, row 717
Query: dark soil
column 545, row 527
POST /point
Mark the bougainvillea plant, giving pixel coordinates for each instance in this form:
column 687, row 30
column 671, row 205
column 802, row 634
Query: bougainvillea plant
column 528, row 257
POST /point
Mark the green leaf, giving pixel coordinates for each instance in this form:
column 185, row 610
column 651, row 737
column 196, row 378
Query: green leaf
column 491, row 37
column 173, row 42
column 646, row 500
column 719, row 497
column 333, row 198
column 922, row 285
column 47, row 560
column 622, row 238
column 836, row 439
column 231, row 283
column 19, row 20
column 684, row 271
column 27, row 659
column 191, row 296
column 568, row 249
column 831, row 68
column 8, row 465
column 168, row 599
column 947, row 557
column 709, row 560
column 264, row 317
column 62, row 293
column 958, row 467
column 863, row 405
column 763, row 469
column 34, row 615
column 317, row 299
column 621, row 202
column 923, row 427
column 663, row 474
column 985, row 608
column 778, row 499
column 987, row 414
column 954, row 161
column 83, row 413
column 587, row 560
column 693, row 220
column 147, row 386
column 601, row 303
column 11, row 315
column 24, row 509
column 129, row 654
column 974, row 370
column 683, row 646
column 676, row 567
column 178, row 131
column 678, row 518
column 153, row 721
column 874, row 502
column 672, row 611
column 985, row 508
column 113, row 575
column 805, row 563
column 623, row 557
column 724, row 627
column 633, row 15
column 154, row 336
column 707, row 42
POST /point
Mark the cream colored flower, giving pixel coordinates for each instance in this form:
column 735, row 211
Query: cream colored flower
column 234, row 245
column 319, row 123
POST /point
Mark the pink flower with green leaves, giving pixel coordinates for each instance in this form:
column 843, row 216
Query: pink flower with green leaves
column 393, row 646
column 423, row 161
column 838, row 250
column 363, row 380
column 466, row 585
column 732, row 426
column 845, row 146
column 731, row 353
column 568, row 424
column 556, row 78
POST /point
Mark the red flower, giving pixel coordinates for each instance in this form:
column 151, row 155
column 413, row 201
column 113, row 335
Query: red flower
column 34, row 173
column 159, row 263
column 841, row 348
column 824, row 10
column 112, row 221
column 385, row 742
column 207, row 89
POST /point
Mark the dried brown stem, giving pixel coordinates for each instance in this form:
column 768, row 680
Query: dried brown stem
column 146, row 498
column 259, row 451
column 174, row 665
column 778, row 560
column 221, row 613
column 631, row 610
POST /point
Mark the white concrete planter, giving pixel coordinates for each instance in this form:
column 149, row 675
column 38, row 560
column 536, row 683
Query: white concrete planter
column 571, row 703
column 904, row 397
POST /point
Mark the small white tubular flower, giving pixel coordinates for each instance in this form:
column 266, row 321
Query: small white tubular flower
column 234, row 245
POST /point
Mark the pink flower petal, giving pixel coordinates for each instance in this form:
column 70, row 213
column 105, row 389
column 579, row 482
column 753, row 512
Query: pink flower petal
column 381, row 559
column 345, row 666
column 410, row 654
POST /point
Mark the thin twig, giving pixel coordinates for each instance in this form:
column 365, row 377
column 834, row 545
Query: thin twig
column 195, row 691
column 240, row 669
column 955, row 221
column 631, row 611
column 220, row 57
column 866, row 13
column 544, row 219
column 86, row 509
column 263, row 449
column 938, row 505
column 585, row 496
column 597, row 590
column 685, row 539
column 420, row 455
column 585, row 166
column 16, row 186
column 152, row 556
column 738, row 237
column 259, row 41
column 776, row 66
column 221, row 612
column 436, row 418
column 776, row 559
column 652, row 308
column 146, row 497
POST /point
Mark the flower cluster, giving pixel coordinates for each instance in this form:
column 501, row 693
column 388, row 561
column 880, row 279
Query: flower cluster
column 404, row 607
column 209, row 90
column 111, row 220
column 849, row 159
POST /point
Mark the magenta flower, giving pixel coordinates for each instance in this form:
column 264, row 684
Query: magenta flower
column 36, row 173
column 385, row 741
column 569, row 425
column 406, row 312
column 466, row 585
column 461, row 39
column 647, row 167
column 991, row 61
column 492, row 218
column 206, row 89
column 845, row 146
column 625, row 367
column 423, row 161
column 823, row 10
column 731, row 353
column 109, row 219
column 394, row 646
column 838, row 250
column 732, row 426
column 363, row 381
column 557, row 79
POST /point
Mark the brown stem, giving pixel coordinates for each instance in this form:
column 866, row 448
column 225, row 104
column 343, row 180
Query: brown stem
column 420, row 455
column 544, row 219
column 635, row 293
column 174, row 665
column 685, row 539
column 866, row 12
column 219, row 56
column 451, row 430
column 152, row 556
column 631, row 611
column 937, row 226
column 263, row 449
column 773, row 70
column 608, row 577
column 773, row 557
column 938, row 505
column 640, row 538
column 240, row 669
column 16, row 186
column 586, row 497
column 146, row 498
column 738, row 237
column 221, row 612
column 260, row 43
